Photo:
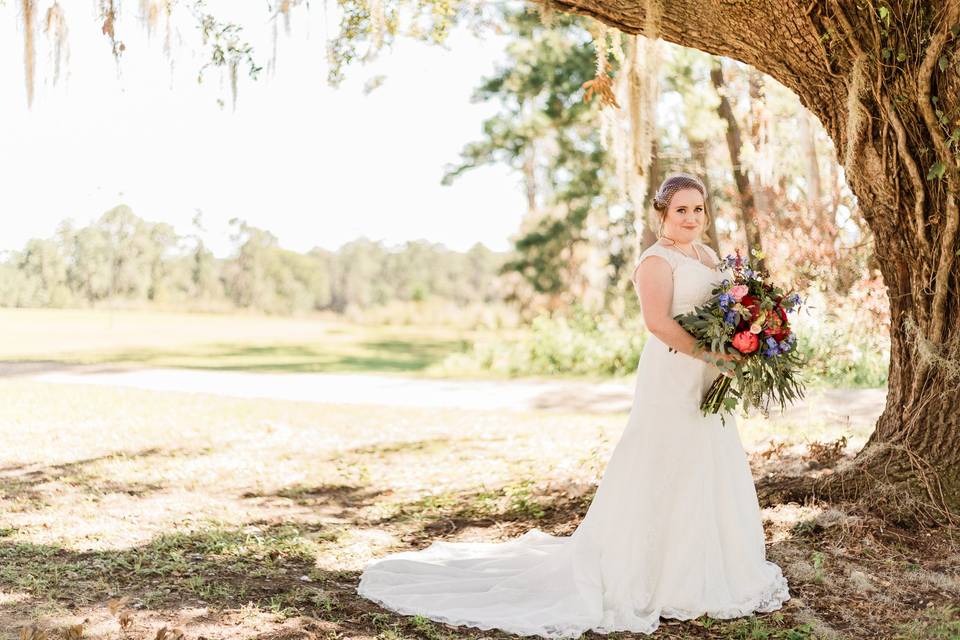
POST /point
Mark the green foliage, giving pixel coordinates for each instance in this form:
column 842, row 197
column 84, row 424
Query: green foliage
column 123, row 260
column 550, row 137
column 754, row 628
column 816, row 558
column 579, row 344
column 837, row 353
column 841, row 356
column 936, row 171
column 941, row 622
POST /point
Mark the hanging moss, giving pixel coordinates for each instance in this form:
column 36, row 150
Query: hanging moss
column 55, row 26
column 29, row 51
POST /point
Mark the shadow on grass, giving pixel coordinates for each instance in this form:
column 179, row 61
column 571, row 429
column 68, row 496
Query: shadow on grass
column 271, row 566
column 509, row 509
column 23, row 368
column 364, row 356
column 426, row 445
column 342, row 502
column 23, row 483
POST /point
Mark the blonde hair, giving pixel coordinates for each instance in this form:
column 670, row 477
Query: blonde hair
column 671, row 184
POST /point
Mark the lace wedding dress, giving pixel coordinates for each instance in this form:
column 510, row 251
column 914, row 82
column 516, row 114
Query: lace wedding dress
column 674, row 529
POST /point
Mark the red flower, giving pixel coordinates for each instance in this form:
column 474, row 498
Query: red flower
column 746, row 342
column 752, row 304
column 777, row 325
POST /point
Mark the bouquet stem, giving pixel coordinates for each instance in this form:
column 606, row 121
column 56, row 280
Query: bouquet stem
column 713, row 401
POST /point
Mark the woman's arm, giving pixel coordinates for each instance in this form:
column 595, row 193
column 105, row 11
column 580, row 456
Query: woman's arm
column 653, row 280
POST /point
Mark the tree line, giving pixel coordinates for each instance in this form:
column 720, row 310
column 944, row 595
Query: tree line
column 123, row 259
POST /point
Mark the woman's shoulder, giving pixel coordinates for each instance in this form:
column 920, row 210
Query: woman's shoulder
column 657, row 249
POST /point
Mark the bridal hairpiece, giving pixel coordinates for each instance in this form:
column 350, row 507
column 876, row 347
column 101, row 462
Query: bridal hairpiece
column 673, row 183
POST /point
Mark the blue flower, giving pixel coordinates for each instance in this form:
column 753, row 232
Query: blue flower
column 748, row 273
column 731, row 317
column 771, row 341
column 725, row 299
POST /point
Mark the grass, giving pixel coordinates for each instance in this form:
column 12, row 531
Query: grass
column 236, row 518
column 573, row 349
column 225, row 342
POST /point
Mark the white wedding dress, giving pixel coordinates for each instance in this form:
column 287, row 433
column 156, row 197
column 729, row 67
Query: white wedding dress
column 674, row 529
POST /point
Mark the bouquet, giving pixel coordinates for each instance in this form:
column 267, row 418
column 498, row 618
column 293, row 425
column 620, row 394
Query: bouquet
column 748, row 315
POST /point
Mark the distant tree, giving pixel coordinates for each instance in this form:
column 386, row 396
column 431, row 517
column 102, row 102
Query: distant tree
column 43, row 275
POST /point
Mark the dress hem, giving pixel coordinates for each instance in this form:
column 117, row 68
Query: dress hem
column 770, row 599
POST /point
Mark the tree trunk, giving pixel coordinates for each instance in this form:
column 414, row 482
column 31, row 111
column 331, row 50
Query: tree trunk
column 698, row 151
column 748, row 203
column 812, row 162
column 871, row 77
column 649, row 236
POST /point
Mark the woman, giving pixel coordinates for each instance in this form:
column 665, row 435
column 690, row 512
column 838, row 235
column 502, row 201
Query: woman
column 674, row 529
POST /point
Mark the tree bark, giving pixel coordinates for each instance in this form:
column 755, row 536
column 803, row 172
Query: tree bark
column 748, row 202
column 814, row 190
column 648, row 235
column 871, row 78
column 698, row 151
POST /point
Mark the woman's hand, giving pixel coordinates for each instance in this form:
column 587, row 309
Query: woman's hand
column 715, row 358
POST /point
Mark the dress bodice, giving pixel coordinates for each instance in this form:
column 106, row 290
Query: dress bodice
column 692, row 279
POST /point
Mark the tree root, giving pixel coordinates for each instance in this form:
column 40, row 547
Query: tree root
column 888, row 480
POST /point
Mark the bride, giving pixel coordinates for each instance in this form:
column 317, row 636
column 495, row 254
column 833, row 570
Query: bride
column 674, row 529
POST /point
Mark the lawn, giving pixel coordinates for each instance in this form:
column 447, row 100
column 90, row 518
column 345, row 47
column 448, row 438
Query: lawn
column 224, row 341
column 127, row 511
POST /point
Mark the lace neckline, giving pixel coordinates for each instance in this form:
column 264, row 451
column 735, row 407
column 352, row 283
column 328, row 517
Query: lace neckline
column 697, row 260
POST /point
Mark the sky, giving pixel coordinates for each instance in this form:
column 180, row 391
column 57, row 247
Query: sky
column 316, row 166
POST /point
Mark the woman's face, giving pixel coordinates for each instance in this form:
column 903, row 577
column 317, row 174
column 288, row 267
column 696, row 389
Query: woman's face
column 685, row 217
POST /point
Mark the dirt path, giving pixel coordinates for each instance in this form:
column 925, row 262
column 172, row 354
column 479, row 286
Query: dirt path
column 853, row 406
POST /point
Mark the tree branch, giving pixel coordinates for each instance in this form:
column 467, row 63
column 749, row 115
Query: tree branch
column 952, row 221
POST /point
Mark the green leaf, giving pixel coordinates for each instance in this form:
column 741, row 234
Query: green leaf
column 884, row 12
column 943, row 63
column 901, row 56
column 936, row 171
